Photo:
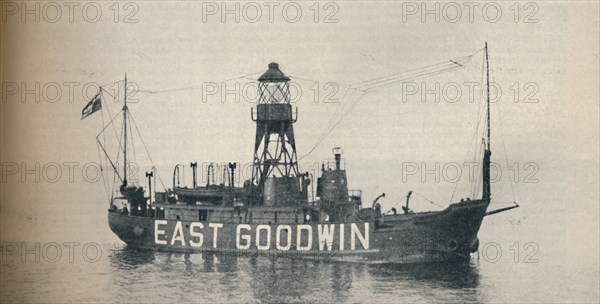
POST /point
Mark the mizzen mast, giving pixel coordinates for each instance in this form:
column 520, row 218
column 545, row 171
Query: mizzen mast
column 487, row 152
column 125, row 135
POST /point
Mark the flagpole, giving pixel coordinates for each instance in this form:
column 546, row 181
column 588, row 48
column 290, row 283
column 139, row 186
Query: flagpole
column 125, row 136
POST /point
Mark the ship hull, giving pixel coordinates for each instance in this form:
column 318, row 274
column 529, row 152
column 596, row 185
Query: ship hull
column 450, row 234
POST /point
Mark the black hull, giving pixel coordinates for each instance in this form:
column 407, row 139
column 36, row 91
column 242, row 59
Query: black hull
column 447, row 235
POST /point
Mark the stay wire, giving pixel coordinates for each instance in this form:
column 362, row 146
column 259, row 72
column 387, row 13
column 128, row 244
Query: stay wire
column 512, row 188
column 377, row 84
column 103, row 164
column 328, row 131
column 476, row 130
column 412, row 77
column 401, row 77
column 146, row 90
column 398, row 202
column 366, row 82
column 428, row 200
column 145, row 147
column 458, row 63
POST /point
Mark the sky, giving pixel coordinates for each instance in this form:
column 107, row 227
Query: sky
column 543, row 57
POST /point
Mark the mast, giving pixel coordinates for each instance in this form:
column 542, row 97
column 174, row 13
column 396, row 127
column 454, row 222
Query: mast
column 487, row 68
column 487, row 152
column 125, row 136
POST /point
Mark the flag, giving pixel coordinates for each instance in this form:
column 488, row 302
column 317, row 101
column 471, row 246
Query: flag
column 94, row 105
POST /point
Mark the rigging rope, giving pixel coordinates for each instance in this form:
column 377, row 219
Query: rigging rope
column 132, row 147
column 460, row 62
column 409, row 71
column 478, row 180
column 195, row 87
column 414, row 75
column 104, row 164
column 111, row 83
column 476, row 130
column 324, row 135
column 398, row 202
column 428, row 200
column 104, row 178
column 414, row 192
column 512, row 187
column 106, row 126
column 371, row 85
column 317, row 81
column 145, row 147
column 169, row 91
column 124, row 177
column 103, row 133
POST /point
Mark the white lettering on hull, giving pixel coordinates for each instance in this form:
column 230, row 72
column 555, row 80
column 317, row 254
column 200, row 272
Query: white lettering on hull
column 342, row 241
column 326, row 236
column 240, row 237
column 299, row 235
column 364, row 239
column 287, row 229
column 195, row 234
column 267, row 229
column 215, row 227
column 158, row 232
column 178, row 235
column 306, row 237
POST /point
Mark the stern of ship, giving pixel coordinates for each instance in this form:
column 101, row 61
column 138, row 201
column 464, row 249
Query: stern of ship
column 136, row 231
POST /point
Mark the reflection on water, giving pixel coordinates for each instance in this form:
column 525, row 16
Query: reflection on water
column 129, row 258
column 128, row 275
column 457, row 275
column 218, row 278
column 446, row 282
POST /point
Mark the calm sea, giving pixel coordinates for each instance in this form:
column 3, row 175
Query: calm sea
column 507, row 272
